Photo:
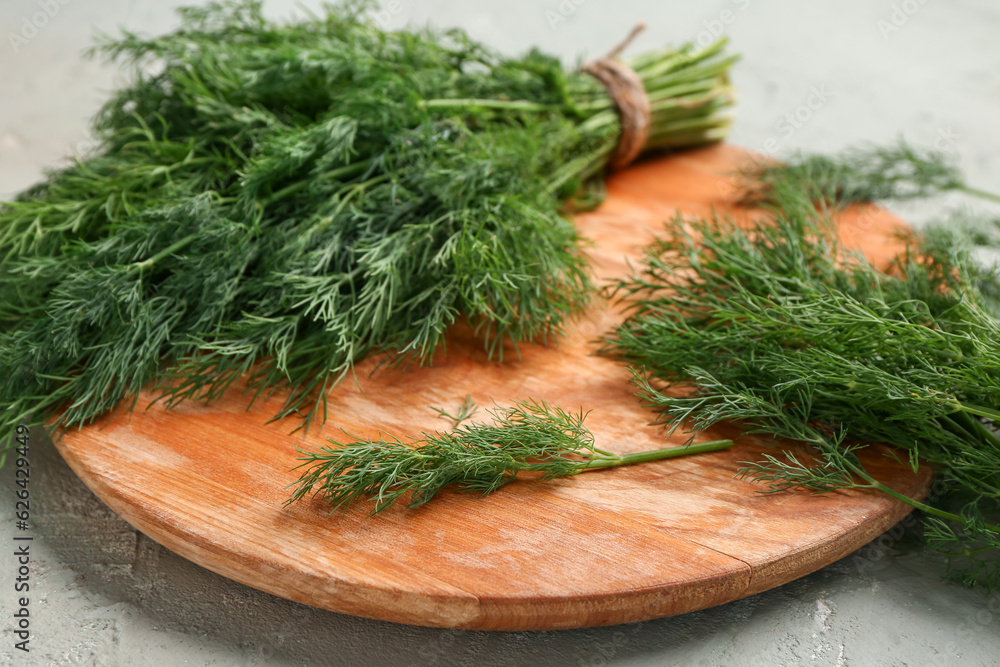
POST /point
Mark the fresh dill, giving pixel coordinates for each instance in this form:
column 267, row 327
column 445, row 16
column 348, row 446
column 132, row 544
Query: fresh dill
column 530, row 437
column 872, row 173
column 776, row 326
column 465, row 410
column 271, row 202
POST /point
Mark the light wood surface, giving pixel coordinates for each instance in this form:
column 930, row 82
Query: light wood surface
column 600, row 548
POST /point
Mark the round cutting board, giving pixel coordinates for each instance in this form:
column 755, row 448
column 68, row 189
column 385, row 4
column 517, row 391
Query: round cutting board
column 600, row 548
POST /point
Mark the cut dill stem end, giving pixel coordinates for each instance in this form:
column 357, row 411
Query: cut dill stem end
column 528, row 437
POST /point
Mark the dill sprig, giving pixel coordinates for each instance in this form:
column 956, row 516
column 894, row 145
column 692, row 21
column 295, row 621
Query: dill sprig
column 465, row 410
column 529, row 437
column 776, row 326
column 871, row 173
column 271, row 202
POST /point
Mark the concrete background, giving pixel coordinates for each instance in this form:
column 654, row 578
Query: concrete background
column 103, row 594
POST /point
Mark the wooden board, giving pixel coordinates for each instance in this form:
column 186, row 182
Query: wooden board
column 600, row 548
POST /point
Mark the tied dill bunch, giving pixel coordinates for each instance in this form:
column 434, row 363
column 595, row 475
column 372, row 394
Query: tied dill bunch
column 780, row 328
column 271, row 202
column 529, row 437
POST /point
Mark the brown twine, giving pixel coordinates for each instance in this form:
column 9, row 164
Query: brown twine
column 627, row 92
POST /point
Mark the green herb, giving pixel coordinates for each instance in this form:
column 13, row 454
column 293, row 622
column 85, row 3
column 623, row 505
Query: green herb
column 779, row 327
column 864, row 174
column 272, row 202
column 465, row 411
column 884, row 174
column 529, row 437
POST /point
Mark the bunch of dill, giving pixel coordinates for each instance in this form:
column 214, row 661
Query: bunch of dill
column 781, row 328
column 271, row 202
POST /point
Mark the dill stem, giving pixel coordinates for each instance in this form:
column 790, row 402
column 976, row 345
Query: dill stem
column 979, row 193
column 519, row 105
column 970, row 552
column 981, row 429
column 166, row 252
column 960, row 426
column 348, row 170
column 879, row 486
column 585, row 165
column 980, row 411
column 655, row 455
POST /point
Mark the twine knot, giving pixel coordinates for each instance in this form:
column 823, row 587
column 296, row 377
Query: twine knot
column 627, row 92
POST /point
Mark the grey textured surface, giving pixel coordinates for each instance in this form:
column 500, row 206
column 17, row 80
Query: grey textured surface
column 102, row 594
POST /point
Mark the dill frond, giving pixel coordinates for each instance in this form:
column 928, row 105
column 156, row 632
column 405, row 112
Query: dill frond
column 778, row 327
column 465, row 410
column 871, row 173
column 529, row 437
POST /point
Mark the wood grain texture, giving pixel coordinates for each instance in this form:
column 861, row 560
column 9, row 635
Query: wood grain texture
column 601, row 548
